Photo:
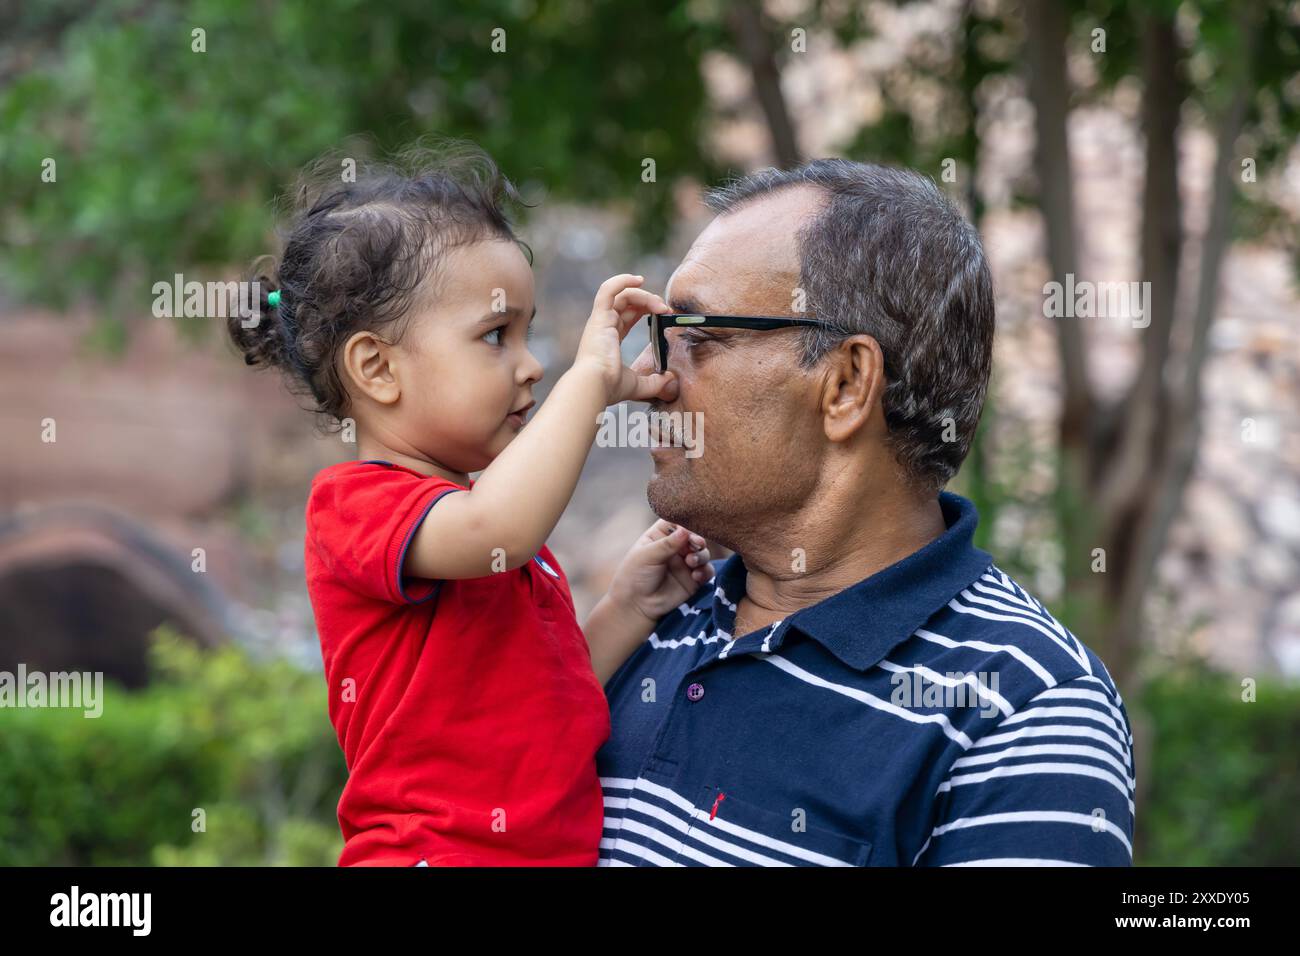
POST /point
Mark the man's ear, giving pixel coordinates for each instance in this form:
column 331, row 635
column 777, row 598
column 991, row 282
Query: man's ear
column 368, row 365
column 853, row 388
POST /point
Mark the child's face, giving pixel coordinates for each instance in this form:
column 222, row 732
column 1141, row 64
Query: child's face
column 466, row 372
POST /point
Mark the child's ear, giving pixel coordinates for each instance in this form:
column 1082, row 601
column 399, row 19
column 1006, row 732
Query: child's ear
column 366, row 362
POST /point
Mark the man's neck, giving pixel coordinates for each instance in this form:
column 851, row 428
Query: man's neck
column 820, row 552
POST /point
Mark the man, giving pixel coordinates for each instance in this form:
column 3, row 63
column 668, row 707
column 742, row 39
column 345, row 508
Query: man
column 859, row 685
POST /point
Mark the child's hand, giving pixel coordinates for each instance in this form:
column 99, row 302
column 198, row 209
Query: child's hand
column 618, row 306
column 665, row 567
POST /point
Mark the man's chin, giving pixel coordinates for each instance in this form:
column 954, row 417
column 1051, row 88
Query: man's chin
column 671, row 495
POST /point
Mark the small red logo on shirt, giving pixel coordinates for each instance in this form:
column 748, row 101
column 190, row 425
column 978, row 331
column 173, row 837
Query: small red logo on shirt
column 714, row 812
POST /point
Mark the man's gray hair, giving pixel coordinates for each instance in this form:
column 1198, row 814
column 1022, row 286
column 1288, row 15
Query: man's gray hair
column 892, row 257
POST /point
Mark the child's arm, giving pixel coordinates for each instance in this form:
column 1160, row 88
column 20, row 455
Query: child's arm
column 664, row 568
column 519, row 497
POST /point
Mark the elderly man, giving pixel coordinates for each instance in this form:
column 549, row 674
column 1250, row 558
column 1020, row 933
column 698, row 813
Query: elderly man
column 859, row 685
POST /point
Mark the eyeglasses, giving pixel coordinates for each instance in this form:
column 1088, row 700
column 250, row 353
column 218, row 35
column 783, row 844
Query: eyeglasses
column 660, row 324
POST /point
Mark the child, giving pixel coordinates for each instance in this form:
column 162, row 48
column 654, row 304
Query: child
column 467, row 700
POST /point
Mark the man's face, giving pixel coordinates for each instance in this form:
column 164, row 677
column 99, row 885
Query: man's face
column 763, row 436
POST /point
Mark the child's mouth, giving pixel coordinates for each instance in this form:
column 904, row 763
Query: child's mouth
column 518, row 416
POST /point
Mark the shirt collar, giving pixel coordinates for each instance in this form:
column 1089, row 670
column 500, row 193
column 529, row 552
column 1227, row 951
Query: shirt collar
column 864, row 622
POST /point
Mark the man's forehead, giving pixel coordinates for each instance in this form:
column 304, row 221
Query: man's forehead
column 747, row 260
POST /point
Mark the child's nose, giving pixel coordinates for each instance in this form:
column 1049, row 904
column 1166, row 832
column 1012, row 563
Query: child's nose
column 532, row 369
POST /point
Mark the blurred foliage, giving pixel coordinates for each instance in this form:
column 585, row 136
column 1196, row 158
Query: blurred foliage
column 247, row 742
column 1223, row 778
column 167, row 158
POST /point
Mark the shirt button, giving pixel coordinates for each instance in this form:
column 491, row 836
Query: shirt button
column 695, row 692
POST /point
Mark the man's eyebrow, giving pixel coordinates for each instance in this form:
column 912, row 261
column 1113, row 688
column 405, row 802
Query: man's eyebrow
column 685, row 305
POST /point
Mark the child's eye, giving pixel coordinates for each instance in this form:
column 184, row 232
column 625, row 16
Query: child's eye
column 499, row 331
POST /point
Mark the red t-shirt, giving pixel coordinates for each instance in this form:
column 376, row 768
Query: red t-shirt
column 468, row 711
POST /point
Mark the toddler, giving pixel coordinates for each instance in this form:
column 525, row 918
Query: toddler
column 467, row 700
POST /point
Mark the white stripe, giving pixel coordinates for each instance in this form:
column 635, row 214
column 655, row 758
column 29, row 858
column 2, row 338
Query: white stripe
column 1033, row 816
column 1017, row 861
column 657, row 642
column 1014, row 618
column 1109, row 683
column 1077, row 693
column 994, row 597
column 871, row 701
column 1034, row 769
column 1041, row 750
column 645, row 853
column 689, row 830
column 673, row 844
column 767, row 641
column 1086, row 713
column 1008, row 586
column 1038, row 669
column 744, row 833
column 1051, row 730
column 721, row 596
column 1013, row 586
column 1000, row 590
column 1014, row 592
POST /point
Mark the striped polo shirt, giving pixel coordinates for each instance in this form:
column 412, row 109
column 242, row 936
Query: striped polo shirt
column 933, row 714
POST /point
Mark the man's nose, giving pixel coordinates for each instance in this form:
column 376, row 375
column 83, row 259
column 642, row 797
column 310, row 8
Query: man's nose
column 643, row 364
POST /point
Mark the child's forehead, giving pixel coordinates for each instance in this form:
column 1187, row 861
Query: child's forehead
column 494, row 274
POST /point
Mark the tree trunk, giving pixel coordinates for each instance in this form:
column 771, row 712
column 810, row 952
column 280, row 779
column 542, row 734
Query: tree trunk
column 1130, row 486
column 1048, row 86
column 1182, row 398
column 755, row 45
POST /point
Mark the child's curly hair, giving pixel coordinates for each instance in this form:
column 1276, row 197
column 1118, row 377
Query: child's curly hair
column 356, row 251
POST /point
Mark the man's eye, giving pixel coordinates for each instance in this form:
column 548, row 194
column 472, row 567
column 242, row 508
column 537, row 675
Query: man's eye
column 498, row 332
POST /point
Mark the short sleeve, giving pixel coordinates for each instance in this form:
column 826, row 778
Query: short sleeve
column 361, row 521
column 1050, row 785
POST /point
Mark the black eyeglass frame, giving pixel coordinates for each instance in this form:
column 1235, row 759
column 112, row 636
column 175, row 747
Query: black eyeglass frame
column 659, row 325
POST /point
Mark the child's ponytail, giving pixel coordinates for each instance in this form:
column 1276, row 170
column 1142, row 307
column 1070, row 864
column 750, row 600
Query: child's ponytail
column 262, row 338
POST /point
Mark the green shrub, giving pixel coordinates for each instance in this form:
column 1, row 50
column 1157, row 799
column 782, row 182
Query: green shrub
column 1223, row 775
column 246, row 744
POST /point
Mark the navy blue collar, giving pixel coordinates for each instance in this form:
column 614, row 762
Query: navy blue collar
column 864, row 622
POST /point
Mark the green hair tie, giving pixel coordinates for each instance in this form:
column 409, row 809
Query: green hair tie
column 273, row 299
